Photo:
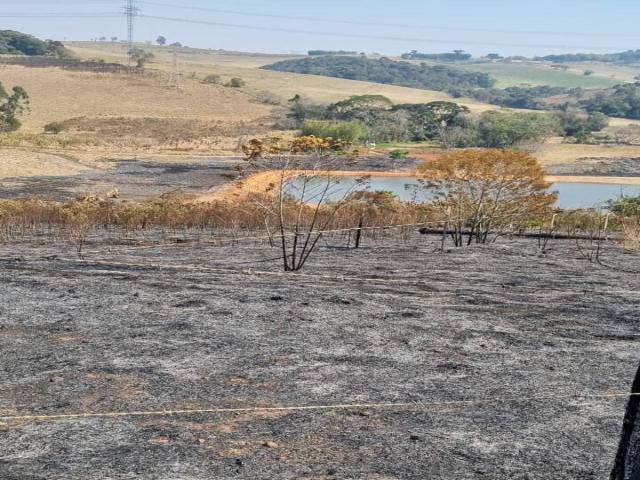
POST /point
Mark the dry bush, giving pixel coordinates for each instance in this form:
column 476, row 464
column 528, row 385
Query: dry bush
column 631, row 234
column 173, row 133
column 156, row 128
column 269, row 98
column 77, row 220
column 478, row 192
column 212, row 79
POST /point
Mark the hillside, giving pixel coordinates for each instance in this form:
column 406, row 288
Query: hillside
column 247, row 66
column 58, row 95
column 513, row 74
column 386, row 71
column 146, row 115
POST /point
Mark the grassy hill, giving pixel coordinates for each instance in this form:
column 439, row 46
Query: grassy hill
column 58, row 95
column 148, row 110
column 513, row 74
column 386, row 71
column 282, row 84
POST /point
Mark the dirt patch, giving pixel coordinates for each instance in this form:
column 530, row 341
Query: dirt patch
column 23, row 163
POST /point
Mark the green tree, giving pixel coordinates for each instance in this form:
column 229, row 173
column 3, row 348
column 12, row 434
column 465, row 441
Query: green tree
column 429, row 120
column 16, row 43
column 140, row 56
column 580, row 124
column 346, row 108
column 12, row 105
column 625, row 206
column 508, row 129
column 161, row 40
column 352, row 131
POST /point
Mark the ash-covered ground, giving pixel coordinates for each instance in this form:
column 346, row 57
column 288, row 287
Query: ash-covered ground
column 394, row 322
column 143, row 179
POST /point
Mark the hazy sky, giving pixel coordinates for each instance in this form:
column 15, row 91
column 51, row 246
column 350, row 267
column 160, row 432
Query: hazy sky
column 479, row 26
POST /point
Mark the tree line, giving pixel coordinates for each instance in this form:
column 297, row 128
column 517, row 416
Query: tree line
column 374, row 118
column 619, row 101
column 383, row 70
column 455, row 56
column 626, row 57
column 17, row 43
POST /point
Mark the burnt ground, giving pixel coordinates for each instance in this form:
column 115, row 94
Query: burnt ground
column 135, row 179
column 614, row 167
column 141, row 179
column 520, row 332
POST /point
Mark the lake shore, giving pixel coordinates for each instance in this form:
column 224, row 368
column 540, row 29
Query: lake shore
column 264, row 181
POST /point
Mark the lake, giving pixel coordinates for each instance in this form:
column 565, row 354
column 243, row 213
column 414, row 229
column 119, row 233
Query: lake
column 570, row 195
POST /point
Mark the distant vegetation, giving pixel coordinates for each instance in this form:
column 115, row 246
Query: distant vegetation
column 316, row 53
column 514, row 97
column 630, row 56
column 212, row 79
column 620, row 101
column 17, row 43
column 140, row 56
column 375, row 118
column 459, row 82
column 455, row 56
column 236, row 83
column 11, row 105
column 349, row 131
column 438, row 77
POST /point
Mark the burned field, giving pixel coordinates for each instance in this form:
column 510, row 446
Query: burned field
column 488, row 362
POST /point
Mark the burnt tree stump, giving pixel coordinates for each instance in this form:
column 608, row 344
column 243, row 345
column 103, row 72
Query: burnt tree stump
column 627, row 465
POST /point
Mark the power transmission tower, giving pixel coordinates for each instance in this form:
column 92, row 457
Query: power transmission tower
column 131, row 11
column 173, row 76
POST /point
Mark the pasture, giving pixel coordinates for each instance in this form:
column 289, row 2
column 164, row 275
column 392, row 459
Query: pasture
column 514, row 74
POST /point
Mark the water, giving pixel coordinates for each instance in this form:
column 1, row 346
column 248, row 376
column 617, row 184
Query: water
column 570, row 195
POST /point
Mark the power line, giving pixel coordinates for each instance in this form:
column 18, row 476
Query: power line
column 372, row 37
column 131, row 11
column 386, row 24
column 60, row 15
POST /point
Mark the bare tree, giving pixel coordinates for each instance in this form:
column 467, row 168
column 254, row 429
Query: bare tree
column 304, row 195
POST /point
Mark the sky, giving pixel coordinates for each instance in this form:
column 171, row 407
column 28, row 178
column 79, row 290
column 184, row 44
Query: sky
column 508, row 27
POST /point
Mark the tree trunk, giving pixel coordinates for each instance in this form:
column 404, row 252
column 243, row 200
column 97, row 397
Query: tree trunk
column 627, row 465
column 359, row 232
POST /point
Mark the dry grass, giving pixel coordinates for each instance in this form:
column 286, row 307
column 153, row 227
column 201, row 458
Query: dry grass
column 23, row 163
column 618, row 73
column 77, row 220
column 58, row 95
column 285, row 85
column 555, row 152
column 631, row 234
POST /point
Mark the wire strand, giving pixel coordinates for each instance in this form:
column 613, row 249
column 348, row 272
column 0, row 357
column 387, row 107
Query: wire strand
column 392, row 38
column 319, row 408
